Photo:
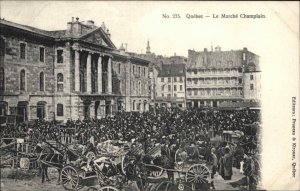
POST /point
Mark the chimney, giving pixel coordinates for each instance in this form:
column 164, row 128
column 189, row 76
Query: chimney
column 122, row 49
column 70, row 27
column 76, row 27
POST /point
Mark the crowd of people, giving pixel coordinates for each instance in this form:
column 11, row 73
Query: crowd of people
column 174, row 124
column 173, row 128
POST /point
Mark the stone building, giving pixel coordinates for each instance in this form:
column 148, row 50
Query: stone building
column 73, row 73
column 170, row 86
column 218, row 77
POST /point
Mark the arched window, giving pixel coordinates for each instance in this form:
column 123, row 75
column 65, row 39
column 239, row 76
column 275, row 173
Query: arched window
column 60, row 110
column 22, row 80
column 2, row 83
column 60, row 82
column 42, row 81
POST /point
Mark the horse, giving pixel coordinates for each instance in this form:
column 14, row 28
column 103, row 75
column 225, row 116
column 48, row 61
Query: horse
column 51, row 156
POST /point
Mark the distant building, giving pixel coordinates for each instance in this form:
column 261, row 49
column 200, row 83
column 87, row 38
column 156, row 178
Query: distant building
column 74, row 73
column 170, row 86
column 218, row 77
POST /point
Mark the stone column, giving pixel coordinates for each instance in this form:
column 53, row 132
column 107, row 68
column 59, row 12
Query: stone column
column 92, row 110
column 76, row 73
column 88, row 74
column 99, row 74
column 109, row 76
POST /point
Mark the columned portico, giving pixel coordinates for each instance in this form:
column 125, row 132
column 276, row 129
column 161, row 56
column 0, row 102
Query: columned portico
column 76, row 72
column 109, row 76
column 99, row 75
column 88, row 74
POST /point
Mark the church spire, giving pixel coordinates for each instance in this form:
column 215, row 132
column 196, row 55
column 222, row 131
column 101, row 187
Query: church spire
column 148, row 48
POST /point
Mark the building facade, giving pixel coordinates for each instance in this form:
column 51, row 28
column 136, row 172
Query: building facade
column 170, row 86
column 216, row 77
column 74, row 73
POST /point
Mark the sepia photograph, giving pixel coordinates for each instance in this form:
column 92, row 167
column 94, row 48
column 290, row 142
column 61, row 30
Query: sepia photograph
column 149, row 95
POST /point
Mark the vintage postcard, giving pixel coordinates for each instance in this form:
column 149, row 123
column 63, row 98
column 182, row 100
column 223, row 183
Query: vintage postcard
column 149, row 95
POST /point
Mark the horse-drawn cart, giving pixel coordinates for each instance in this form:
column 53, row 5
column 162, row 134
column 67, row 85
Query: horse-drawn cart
column 103, row 169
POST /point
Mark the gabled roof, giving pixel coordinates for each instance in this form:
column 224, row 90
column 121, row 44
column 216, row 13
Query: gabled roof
column 25, row 28
column 102, row 34
column 62, row 34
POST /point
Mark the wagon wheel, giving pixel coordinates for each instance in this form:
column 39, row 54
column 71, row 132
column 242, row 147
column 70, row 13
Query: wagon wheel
column 92, row 189
column 166, row 186
column 179, row 162
column 69, row 178
column 108, row 188
column 90, row 155
column 197, row 173
column 124, row 163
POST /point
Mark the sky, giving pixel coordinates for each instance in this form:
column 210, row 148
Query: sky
column 275, row 39
column 136, row 22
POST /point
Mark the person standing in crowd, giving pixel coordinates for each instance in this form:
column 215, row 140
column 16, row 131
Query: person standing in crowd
column 227, row 162
column 214, row 166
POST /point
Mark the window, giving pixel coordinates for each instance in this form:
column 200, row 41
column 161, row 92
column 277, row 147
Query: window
column 3, row 108
column 40, row 110
column 133, row 69
column 169, row 88
column 251, row 77
column 162, row 80
column 180, row 79
column 162, row 95
column 22, row 50
column 119, row 68
column 195, row 71
column 60, row 110
column 240, row 70
column 60, row 58
column 175, row 95
column 163, row 88
column 169, row 95
column 251, row 86
column 180, row 87
column 42, row 81
column 240, row 81
column 195, row 81
column 144, row 71
column 60, row 82
column 175, row 79
column 244, row 56
column 42, row 54
column 138, row 107
column 169, row 79
column 139, row 71
column 175, row 88
column 195, row 92
column 133, row 105
column 2, row 77
column 22, row 80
